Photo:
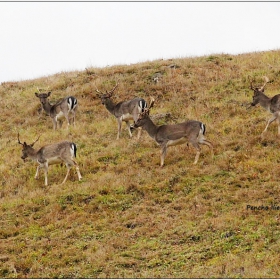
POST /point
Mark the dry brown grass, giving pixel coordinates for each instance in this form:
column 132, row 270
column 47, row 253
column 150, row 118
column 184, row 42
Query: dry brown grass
column 129, row 218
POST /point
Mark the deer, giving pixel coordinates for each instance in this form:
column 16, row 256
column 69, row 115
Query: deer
column 123, row 111
column 63, row 108
column 174, row 134
column 57, row 153
column 272, row 104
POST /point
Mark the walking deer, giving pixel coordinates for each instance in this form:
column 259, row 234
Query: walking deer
column 272, row 104
column 123, row 111
column 63, row 108
column 64, row 151
column 174, row 134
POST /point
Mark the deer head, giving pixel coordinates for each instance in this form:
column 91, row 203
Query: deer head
column 103, row 96
column 258, row 92
column 43, row 96
column 26, row 147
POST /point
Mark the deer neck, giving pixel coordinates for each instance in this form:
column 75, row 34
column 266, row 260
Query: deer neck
column 265, row 101
column 110, row 106
column 150, row 127
column 32, row 153
column 47, row 107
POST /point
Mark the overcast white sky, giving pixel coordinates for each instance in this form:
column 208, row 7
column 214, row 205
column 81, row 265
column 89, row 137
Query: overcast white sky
column 43, row 38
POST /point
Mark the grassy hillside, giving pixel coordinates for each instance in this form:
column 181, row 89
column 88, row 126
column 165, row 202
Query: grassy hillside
column 128, row 217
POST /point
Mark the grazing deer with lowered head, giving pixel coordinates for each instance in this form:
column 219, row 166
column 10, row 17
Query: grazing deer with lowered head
column 272, row 104
column 174, row 134
column 123, row 111
column 65, row 108
column 51, row 154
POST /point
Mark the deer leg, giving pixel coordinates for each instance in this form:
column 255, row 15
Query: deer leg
column 54, row 123
column 37, row 172
column 139, row 132
column 78, row 170
column 69, row 164
column 119, row 128
column 67, row 119
column 60, row 123
column 269, row 122
column 198, row 150
column 72, row 119
column 68, row 123
column 68, row 171
column 278, row 123
column 128, row 127
column 163, row 154
column 209, row 144
column 46, row 174
column 197, row 156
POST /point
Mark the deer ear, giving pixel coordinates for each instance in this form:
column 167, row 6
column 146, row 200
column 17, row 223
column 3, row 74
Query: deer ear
column 36, row 93
column 49, row 93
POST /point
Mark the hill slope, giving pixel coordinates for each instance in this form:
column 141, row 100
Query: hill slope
column 129, row 217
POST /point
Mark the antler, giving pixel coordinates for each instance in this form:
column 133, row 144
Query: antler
column 152, row 102
column 111, row 92
column 25, row 143
column 35, row 141
column 19, row 140
column 251, row 83
column 266, row 80
column 98, row 91
column 40, row 90
column 147, row 110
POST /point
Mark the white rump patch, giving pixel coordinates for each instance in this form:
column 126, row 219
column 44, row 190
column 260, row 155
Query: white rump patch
column 72, row 150
column 200, row 136
column 72, row 103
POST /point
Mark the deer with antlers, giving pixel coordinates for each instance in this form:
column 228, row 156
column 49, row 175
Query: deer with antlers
column 174, row 134
column 64, row 151
column 123, row 111
column 272, row 104
column 65, row 108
